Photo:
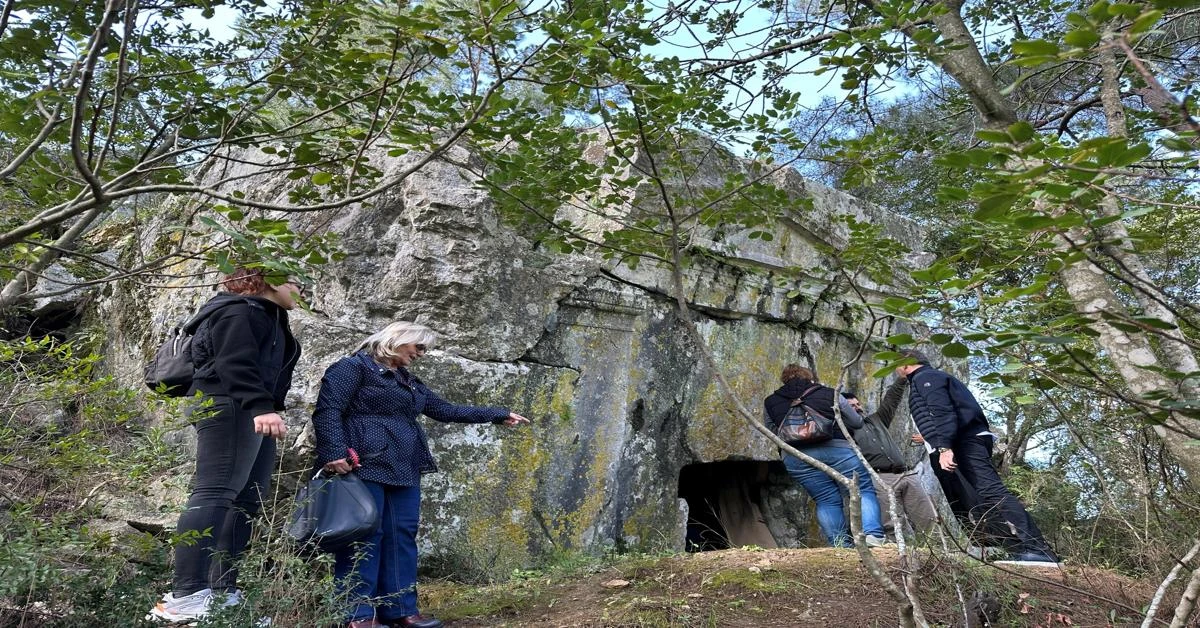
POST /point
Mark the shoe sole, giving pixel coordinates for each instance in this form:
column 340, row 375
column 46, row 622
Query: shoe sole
column 174, row 623
column 157, row 615
column 1029, row 563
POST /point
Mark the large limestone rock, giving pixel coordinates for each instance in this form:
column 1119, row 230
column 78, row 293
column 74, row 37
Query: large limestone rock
column 594, row 353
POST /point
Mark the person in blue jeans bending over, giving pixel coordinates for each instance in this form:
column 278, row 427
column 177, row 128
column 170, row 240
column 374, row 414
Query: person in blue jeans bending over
column 366, row 420
column 801, row 383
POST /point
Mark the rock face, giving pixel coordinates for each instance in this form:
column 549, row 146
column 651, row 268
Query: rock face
column 593, row 353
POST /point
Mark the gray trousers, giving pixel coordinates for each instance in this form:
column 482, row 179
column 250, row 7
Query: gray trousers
column 913, row 501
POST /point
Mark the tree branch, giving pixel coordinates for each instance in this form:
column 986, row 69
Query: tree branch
column 1162, row 587
column 99, row 38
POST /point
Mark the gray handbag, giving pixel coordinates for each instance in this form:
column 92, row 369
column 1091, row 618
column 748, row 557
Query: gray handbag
column 805, row 426
column 333, row 511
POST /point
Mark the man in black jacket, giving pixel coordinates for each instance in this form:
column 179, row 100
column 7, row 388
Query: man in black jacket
column 885, row 457
column 954, row 426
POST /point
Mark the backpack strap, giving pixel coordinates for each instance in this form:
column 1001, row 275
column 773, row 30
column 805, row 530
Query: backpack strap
column 799, row 400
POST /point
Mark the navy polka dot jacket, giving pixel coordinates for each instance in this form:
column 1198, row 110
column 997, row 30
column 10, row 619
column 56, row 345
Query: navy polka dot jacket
column 373, row 409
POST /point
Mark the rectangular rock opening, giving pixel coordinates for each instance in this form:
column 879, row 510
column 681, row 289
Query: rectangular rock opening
column 725, row 504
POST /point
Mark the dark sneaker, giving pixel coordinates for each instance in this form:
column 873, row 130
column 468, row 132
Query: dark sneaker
column 417, row 621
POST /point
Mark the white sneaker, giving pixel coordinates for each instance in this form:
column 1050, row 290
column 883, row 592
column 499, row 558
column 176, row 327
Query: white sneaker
column 877, row 541
column 232, row 598
column 186, row 608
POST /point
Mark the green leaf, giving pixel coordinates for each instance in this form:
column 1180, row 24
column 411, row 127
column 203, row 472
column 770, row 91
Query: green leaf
column 1053, row 340
column 1156, row 323
column 1034, row 47
column 1145, row 22
column 1176, row 143
column 883, row 372
column 901, row 339
column 321, row 178
column 995, row 137
column 1082, row 38
column 995, row 206
column 1124, row 9
column 953, row 194
column 1099, row 11
column 1133, row 155
column 1034, row 61
column 1021, row 131
column 956, row 350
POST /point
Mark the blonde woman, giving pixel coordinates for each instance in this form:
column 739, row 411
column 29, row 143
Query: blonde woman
column 366, row 420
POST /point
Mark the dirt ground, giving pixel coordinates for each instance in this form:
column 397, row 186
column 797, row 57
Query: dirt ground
column 807, row 587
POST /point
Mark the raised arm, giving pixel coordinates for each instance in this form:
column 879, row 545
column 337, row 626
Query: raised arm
column 891, row 401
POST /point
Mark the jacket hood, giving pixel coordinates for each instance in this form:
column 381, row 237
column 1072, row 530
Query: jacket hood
column 794, row 388
column 221, row 300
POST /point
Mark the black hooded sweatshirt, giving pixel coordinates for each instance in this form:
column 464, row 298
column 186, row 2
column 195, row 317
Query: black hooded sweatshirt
column 243, row 348
column 820, row 399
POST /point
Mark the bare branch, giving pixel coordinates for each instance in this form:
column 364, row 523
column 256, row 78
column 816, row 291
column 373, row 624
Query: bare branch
column 1162, row 587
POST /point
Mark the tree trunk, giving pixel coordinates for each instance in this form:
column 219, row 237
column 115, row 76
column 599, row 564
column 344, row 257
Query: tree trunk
column 1131, row 355
column 1175, row 353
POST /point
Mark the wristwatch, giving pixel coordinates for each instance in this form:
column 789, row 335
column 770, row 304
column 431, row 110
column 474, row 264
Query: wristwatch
column 942, row 450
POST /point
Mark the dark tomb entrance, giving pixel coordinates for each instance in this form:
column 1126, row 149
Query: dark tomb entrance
column 725, row 504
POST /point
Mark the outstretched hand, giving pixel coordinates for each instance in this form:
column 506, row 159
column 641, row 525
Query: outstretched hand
column 514, row 419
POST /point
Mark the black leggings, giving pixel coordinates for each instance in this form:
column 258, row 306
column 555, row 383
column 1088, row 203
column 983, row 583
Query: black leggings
column 233, row 473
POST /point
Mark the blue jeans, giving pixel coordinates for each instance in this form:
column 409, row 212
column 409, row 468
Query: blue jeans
column 828, row 494
column 379, row 574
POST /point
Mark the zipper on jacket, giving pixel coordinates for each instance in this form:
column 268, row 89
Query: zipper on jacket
column 287, row 363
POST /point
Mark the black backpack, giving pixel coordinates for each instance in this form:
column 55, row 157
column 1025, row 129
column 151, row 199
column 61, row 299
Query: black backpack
column 171, row 369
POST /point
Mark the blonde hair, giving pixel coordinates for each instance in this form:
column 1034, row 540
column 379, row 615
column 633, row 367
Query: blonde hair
column 382, row 345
